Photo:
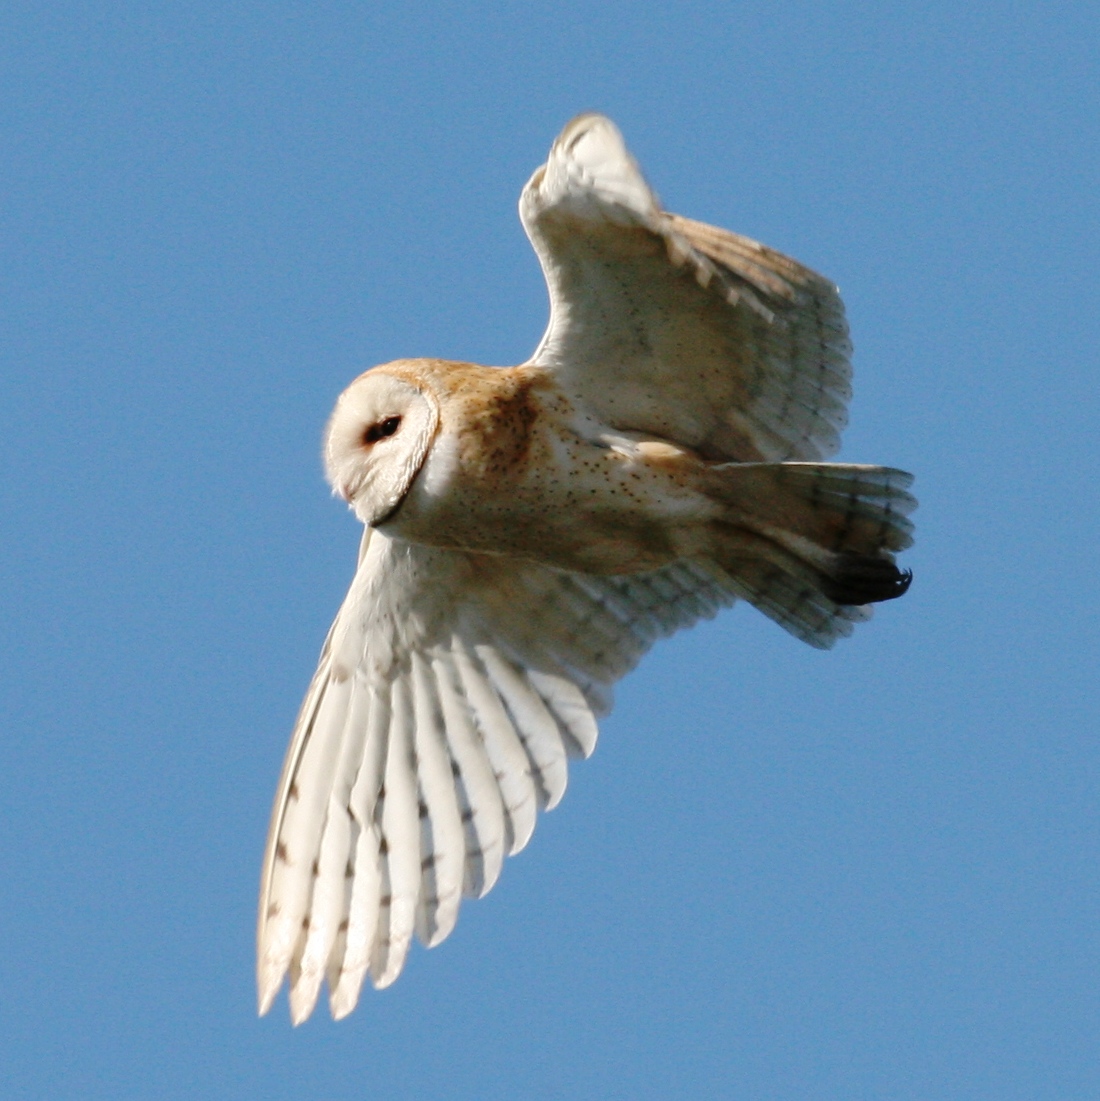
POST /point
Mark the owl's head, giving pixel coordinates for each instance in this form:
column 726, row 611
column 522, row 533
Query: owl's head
column 376, row 442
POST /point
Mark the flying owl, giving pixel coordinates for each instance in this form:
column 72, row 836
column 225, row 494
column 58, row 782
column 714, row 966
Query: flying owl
column 531, row 531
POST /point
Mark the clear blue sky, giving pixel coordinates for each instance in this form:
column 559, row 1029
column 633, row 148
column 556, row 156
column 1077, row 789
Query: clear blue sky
column 870, row 873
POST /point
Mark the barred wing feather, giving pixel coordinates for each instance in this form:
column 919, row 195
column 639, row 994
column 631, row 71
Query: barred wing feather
column 451, row 691
column 664, row 325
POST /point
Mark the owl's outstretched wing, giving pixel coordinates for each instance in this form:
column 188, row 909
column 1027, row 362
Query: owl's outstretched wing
column 663, row 325
column 451, row 689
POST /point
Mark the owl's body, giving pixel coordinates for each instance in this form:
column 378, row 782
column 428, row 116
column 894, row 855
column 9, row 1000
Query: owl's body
column 532, row 530
column 517, row 469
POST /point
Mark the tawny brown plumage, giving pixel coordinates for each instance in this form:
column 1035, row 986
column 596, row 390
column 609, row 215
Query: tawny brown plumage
column 532, row 530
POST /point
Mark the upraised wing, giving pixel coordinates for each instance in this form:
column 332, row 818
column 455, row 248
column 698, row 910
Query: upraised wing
column 664, row 325
column 451, row 689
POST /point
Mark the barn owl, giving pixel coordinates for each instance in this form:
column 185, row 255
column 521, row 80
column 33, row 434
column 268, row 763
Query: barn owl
column 531, row 531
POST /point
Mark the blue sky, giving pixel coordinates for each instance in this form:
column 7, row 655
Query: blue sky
column 869, row 873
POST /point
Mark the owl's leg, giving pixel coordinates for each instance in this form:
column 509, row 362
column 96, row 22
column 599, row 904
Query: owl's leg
column 811, row 543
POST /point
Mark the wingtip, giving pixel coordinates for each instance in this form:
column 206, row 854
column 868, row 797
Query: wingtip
column 595, row 144
column 266, row 997
column 344, row 993
column 585, row 123
column 588, row 170
column 303, row 996
column 269, row 979
column 388, row 973
column 444, row 921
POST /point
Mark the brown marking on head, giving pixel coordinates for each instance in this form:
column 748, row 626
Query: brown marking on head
column 492, row 410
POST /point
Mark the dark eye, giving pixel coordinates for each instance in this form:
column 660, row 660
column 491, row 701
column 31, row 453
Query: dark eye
column 381, row 430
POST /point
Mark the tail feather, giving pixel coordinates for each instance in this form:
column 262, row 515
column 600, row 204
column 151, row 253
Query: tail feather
column 812, row 544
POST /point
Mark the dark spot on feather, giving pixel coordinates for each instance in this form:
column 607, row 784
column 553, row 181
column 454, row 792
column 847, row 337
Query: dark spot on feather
column 281, row 853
